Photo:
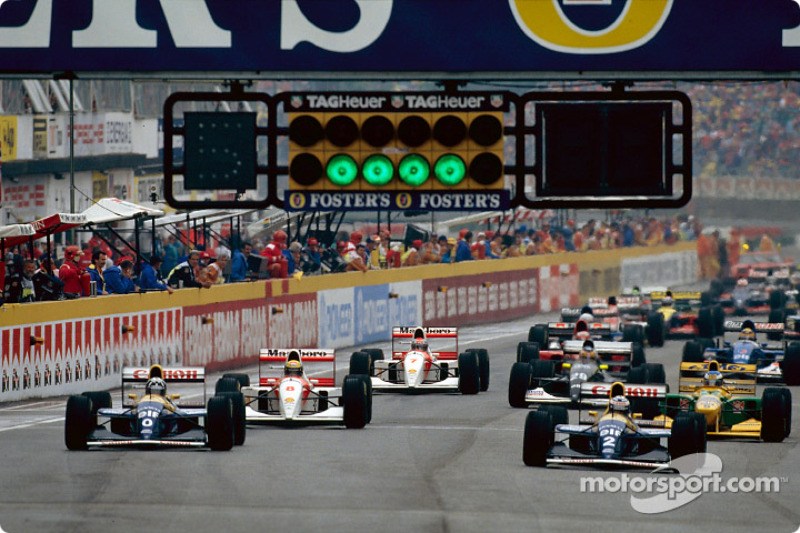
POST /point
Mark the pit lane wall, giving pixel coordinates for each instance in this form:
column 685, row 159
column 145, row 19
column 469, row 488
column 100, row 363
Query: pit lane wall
column 66, row 347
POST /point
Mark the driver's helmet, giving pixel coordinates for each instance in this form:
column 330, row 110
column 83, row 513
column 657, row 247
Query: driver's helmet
column 587, row 352
column 741, row 282
column 620, row 404
column 419, row 345
column 586, row 317
column 667, row 301
column 713, row 378
column 156, row 386
column 747, row 334
column 293, row 368
column 582, row 336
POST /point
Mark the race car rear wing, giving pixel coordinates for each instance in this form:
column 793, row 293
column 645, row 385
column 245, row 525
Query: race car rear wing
column 599, row 393
column 764, row 327
column 404, row 335
column 736, row 378
column 676, row 295
column 267, row 358
column 567, row 329
column 601, row 347
column 135, row 378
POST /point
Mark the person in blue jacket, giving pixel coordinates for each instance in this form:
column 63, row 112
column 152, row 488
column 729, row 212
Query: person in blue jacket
column 95, row 270
column 239, row 265
column 148, row 277
column 118, row 278
column 463, row 251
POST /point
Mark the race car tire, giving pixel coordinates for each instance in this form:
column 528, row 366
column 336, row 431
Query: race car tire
column 539, row 334
column 239, row 418
column 558, row 412
column 632, row 333
column 787, row 407
column 527, row 352
column 356, row 402
column 368, row 383
column 706, row 343
column 469, row 376
column 539, row 437
column 773, row 415
column 705, row 323
column 100, row 400
column 790, row 366
column 706, row 299
column 637, row 375
column 483, row 366
column 777, row 299
column 685, row 436
column 717, row 288
column 656, row 373
column 227, row 385
column 692, row 352
column 718, row 316
column 637, row 355
column 219, row 423
column 655, row 329
column 375, row 353
column 241, row 377
column 701, row 432
column 518, row 384
column 79, row 422
column 776, row 316
column 541, row 369
column 361, row 363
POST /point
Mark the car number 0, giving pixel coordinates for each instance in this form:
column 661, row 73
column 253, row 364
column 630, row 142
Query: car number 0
column 147, row 422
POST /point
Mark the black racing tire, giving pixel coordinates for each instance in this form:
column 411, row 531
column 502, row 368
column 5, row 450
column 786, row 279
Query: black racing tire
column 241, row 377
column 100, row 400
column 368, row 383
column 538, row 438
column 239, row 417
column 519, row 383
column 375, row 353
column 706, row 299
column 542, row 369
column 483, row 367
column 558, row 412
column 469, row 376
column 718, row 316
column 633, row 333
column 705, row 323
column 777, row 299
column 539, row 334
column 701, row 432
column 79, row 422
column 637, row 375
column 656, row 373
column 773, row 415
column 776, row 316
column 790, row 366
column 684, row 437
column 527, row 352
column 227, row 385
column 356, row 402
column 219, row 423
column 692, row 352
column 637, row 356
column 717, row 288
column 361, row 363
column 787, row 409
column 655, row 329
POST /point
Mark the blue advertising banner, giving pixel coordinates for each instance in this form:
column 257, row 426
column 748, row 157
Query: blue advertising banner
column 434, row 39
column 376, row 313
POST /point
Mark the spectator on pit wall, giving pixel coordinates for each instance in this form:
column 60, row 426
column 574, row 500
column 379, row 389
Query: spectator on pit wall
column 118, row 278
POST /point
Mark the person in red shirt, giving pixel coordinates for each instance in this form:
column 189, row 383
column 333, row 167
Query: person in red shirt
column 70, row 273
column 277, row 263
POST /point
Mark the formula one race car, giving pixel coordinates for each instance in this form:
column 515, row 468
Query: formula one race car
column 538, row 380
column 155, row 418
column 677, row 315
column 774, row 362
column 745, row 300
column 285, row 394
column 419, row 368
column 618, row 437
column 724, row 394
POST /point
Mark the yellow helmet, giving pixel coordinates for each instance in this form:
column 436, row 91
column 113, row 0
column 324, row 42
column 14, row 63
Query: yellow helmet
column 747, row 334
column 293, row 368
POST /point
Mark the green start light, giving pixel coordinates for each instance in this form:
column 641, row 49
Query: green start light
column 450, row 169
column 342, row 170
column 378, row 170
column 414, row 170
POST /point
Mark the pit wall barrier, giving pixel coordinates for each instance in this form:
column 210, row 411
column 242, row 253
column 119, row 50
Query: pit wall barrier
column 66, row 347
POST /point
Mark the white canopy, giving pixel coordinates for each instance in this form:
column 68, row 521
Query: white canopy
column 16, row 230
column 114, row 210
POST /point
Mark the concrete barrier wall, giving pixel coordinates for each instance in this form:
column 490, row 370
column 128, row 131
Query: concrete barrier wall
column 58, row 348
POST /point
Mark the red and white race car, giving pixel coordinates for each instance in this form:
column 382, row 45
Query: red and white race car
column 414, row 366
column 286, row 394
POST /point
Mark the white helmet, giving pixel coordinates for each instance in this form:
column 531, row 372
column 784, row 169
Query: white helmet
column 620, row 404
column 156, row 386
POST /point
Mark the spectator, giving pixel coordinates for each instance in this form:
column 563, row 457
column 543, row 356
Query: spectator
column 70, row 274
column 96, row 269
column 292, row 255
column 411, row 256
column 149, row 276
column 373, row 254
column 351, row 258
column 463, row 252
column 184, row 275
column 240, row 265
column 478, row 249
column 215, row 271
column 445, row 249
column 311, row 258
column 118, row 278
column 277, row 264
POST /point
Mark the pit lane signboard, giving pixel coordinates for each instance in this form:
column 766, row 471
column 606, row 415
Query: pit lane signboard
column 397, row 201
column 458, row 39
